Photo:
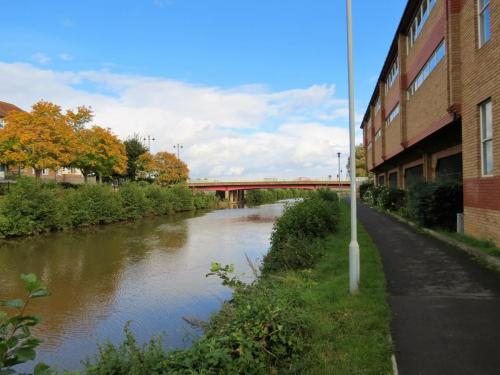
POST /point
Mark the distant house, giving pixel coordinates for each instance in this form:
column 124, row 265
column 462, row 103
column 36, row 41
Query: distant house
column 71, row 175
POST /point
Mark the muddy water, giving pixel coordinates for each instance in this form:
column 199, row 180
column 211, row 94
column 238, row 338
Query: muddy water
column 150, row 272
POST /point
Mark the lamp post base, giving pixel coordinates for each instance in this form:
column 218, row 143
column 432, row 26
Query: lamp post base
column 354, row 267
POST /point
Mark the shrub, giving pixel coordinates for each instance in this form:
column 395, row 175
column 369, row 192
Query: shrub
column 159, row 200
column 93, row 204
column 32, row 207
column 134, row 201
column 364, row 187
column 262, row 330
column 181, row 197
column 313, row 217
column 202, row 200
column 435, row 204
column 390, row 198
column 17, row 344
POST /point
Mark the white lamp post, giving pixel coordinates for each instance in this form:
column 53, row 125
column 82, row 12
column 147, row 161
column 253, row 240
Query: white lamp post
column 353, row 246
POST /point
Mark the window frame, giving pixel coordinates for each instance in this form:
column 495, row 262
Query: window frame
column 483, row 139
column 392, row 116
column 416, row 27
column 378, row 104
column 480, row 22
column 427, row 69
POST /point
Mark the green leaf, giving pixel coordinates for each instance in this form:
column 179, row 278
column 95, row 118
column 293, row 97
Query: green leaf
column 29, row 278
column 41, row 369
column 25, row 354
column 39, row 293
column 14, row 303
column 214, row 267
column 12, row 342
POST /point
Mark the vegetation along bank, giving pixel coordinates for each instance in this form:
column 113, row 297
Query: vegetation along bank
column 297, row 317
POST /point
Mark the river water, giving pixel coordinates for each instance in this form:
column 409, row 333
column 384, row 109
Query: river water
column 150, row 272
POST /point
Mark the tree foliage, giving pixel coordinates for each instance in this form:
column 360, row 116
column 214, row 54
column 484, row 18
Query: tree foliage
column 163, row 167
column 134, row 149
column 99, row 151
column 361, row 170
column 42, row 138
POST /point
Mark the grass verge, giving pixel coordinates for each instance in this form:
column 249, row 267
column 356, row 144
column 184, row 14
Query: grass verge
column 485, row 246
column 350, row 335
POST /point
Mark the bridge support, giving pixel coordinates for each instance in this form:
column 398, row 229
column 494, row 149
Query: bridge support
column 233, row 196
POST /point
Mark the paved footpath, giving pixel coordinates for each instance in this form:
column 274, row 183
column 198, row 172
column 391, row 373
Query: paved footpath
column 445, row 307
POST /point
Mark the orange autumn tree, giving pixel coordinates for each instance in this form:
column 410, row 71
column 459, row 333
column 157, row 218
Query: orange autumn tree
column 163, row 167
column 42, row 138
column 99, row 151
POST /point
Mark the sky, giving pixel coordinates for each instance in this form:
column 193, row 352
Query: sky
column 250, row 88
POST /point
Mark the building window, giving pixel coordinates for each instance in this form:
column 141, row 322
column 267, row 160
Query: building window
column 2, row 123
column 429, row 66
column 393, row 74
column 484, row 21
column 449, row 168
column 393, row 180
column 381, row 180
column 377, row 105
column 413, row 176
column 418, row 22
column 392, row 115
column 486, row 118
column 369, row 146
column 377, row 135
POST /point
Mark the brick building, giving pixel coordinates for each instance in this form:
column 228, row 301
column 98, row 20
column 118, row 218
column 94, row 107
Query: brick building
column 435, row 113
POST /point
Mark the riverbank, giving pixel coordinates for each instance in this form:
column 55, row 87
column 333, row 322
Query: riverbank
column 32, row 207
column 298, row 317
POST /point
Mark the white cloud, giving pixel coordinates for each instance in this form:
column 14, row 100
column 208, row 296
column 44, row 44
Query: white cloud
column 246, row 131
column 41, row 58
column 65, row 56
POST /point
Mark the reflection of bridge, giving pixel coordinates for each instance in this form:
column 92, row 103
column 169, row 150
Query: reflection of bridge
column 234, row 190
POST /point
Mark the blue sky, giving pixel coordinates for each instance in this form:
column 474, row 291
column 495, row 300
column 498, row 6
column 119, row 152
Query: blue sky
column 275, row 50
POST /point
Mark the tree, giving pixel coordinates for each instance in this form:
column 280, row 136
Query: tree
column 99, row 151
column 134, row 149
column 361, row 170
column 42, row 138
column 163, row 167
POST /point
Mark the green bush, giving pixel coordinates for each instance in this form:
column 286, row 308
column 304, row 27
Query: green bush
column 390, row 198
column 134, row 201
column 32, row 207
column 159, row 199
column 93, row 204
column 17, row 343
column 364, row 187
column 435, row 204
column 181, row 197
column 202, row 200
column 262, row 330
column 261, row 196
column 314, row 217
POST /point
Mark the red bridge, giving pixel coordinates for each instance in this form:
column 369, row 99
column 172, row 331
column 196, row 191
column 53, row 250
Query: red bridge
column 234, row 190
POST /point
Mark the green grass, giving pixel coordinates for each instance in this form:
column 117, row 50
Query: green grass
column 485, row 246
column 350, row 333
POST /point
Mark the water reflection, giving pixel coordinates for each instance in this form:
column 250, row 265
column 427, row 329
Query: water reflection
column 150, row 271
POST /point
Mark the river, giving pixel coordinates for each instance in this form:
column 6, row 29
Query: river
column 150, row 272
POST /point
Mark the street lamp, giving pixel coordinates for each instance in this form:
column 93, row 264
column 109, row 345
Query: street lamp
column 149, row 139
column 178, row 146
column 338, row 155
column 354, row 267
